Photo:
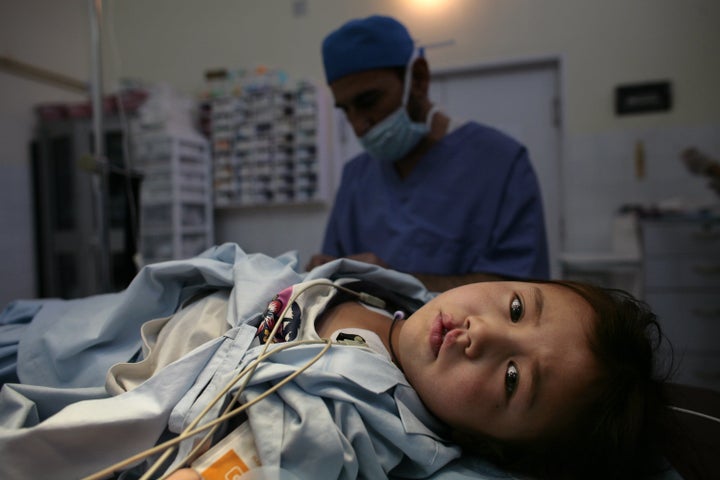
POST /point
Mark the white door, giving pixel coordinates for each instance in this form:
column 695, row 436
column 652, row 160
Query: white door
column 520, row 98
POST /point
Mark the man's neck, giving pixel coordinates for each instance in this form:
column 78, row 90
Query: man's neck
column 438, row 129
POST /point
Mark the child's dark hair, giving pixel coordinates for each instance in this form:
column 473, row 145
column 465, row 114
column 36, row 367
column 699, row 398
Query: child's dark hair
column 618, row 432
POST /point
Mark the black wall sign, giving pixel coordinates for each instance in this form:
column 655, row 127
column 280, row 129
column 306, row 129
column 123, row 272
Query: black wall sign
column 643, row 98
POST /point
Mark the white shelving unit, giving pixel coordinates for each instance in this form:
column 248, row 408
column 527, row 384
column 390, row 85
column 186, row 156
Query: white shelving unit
column 176, row 209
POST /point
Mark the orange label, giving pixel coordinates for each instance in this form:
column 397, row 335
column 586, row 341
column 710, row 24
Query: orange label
column 227, row 467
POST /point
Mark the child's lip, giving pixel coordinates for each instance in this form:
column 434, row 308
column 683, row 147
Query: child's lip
column 441, row 325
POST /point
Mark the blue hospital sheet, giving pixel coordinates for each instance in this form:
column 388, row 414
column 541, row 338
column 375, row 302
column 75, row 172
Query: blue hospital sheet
column 353, row 410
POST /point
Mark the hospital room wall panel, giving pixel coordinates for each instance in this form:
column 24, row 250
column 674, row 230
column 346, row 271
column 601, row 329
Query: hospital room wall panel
column 274, row 229
column 603, row 42
column 600, row 175
column 17, row 270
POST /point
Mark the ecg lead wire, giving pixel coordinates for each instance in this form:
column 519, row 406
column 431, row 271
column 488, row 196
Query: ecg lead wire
column 246, row 375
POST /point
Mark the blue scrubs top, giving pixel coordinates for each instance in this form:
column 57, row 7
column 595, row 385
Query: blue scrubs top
column 472, row 204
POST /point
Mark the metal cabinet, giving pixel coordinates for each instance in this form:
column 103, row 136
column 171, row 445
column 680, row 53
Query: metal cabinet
column 681, row 270
column 71, row 262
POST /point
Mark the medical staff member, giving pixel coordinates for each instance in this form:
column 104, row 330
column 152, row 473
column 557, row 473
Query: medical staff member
column 450, row 204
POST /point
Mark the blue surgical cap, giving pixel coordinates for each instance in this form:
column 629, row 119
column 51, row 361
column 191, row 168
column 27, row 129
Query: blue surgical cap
column 366, row 44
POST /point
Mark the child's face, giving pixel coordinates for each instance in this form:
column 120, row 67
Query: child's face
column 505, row 360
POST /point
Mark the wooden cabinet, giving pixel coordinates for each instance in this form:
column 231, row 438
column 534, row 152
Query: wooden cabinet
column 681, row 274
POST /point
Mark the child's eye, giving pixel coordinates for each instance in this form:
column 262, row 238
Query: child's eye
column 511, row 378
column 516, row 309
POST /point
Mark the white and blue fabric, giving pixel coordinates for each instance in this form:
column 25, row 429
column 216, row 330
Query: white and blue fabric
column 341, row 408
column 104, row 384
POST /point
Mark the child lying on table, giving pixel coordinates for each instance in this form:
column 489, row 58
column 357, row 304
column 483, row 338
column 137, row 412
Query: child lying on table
column 551, row 379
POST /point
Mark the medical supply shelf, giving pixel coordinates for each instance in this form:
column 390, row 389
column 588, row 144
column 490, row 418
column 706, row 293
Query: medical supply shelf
column 176, row 217
column 269, row 146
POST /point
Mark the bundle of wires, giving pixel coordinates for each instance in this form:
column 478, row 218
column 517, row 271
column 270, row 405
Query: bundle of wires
column 234, row 407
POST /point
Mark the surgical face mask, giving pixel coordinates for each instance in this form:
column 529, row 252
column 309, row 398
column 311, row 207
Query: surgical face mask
column 394, row 136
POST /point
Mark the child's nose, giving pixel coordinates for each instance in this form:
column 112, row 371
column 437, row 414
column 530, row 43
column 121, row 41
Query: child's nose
column 486, row 337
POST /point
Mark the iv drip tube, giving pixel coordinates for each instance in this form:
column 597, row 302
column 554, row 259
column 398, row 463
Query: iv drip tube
column 100, row 181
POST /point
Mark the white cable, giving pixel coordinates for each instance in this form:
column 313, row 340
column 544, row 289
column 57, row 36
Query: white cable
column 229, row 412
column 362, row 296
column 196, row 450
column 246, row 374
column 189, row 433
column 127, row 170
column 693, row 412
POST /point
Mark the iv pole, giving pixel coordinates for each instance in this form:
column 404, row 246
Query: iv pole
column 100, row 182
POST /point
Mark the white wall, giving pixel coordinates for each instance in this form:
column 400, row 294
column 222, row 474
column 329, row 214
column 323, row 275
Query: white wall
column 53, row 35
column 601, row 43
